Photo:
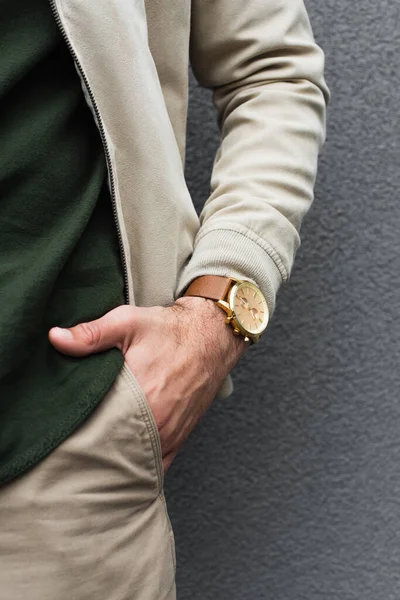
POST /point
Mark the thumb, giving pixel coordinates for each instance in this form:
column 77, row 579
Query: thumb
column 115, row 329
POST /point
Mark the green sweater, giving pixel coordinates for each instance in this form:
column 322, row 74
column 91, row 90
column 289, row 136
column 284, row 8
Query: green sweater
column 59, row 256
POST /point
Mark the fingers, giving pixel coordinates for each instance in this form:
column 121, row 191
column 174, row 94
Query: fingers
column 115, row 329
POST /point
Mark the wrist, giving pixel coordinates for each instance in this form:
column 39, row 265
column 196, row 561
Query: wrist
column 213, row 318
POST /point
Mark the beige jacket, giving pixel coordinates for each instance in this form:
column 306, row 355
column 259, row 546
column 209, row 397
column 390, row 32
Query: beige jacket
column 266, row 72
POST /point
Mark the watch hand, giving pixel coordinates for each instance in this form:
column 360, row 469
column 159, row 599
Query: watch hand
column 244, row 302
column 255, row 314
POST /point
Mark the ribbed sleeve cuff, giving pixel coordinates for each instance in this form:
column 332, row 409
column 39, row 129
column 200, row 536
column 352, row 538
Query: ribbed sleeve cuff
column 233, row 253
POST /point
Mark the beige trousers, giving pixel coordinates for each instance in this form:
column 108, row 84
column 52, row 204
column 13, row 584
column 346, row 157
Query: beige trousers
column 89, row 522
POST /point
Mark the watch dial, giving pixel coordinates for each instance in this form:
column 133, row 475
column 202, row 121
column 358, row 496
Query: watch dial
column 250, row 308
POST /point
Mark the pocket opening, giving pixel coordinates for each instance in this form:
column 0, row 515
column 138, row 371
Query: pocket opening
column 150, row 422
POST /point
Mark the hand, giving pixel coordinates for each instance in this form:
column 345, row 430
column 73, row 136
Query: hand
column 180, row 355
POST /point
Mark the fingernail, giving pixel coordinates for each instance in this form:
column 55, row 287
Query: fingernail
column 63, row 333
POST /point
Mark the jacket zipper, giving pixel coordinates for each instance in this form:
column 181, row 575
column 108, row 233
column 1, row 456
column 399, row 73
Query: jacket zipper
column 104, row 142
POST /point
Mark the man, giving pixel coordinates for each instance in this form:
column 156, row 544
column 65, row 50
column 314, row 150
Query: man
column 117, row 302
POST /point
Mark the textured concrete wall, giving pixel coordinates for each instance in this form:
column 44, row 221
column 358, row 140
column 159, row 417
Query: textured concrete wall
column 290, row 489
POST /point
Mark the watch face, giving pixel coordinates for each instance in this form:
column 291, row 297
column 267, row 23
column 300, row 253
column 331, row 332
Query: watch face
column 250, row 307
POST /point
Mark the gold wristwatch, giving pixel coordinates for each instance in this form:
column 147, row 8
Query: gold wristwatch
column 243, row 302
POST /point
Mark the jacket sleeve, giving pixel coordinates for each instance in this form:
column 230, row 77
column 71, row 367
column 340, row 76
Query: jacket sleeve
column 266, row 72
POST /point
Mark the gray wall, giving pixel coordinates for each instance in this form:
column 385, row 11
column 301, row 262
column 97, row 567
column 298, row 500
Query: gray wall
column 290, row 489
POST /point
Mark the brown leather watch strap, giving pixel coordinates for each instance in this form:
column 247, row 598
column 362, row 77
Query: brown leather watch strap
column 209, row 286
